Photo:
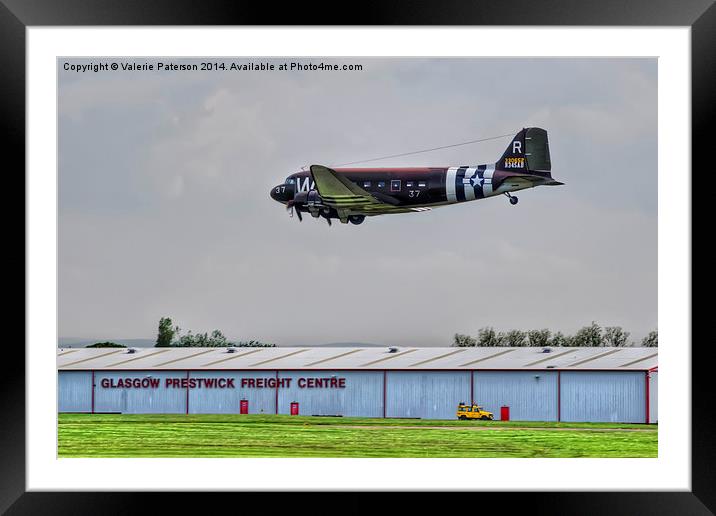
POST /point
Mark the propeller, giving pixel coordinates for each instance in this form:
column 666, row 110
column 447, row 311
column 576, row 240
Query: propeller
column 290, row 208
column 299, row 199
column 312, row 201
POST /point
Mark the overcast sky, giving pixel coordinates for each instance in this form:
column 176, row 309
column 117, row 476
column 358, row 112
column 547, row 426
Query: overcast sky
column 164, row 206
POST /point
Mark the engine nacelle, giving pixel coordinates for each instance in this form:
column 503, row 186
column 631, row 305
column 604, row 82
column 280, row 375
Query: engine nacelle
column 311, row 202
column 310, row 198
column 314, row 199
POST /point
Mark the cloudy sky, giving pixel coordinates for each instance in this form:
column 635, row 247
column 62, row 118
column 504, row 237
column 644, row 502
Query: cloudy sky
column 164, row 206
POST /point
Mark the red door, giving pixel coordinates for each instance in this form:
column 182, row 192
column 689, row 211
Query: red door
column 294, row 408
column 504, row 413
column 244, row 406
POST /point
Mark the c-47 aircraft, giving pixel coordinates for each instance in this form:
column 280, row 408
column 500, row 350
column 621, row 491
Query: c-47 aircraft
column 352, row 194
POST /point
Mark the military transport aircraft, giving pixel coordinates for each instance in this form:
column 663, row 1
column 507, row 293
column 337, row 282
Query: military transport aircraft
column 352, row 194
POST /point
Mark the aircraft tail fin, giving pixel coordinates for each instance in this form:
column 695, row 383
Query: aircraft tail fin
column 528, row 152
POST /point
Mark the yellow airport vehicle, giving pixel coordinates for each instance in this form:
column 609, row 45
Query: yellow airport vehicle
column 472, row 412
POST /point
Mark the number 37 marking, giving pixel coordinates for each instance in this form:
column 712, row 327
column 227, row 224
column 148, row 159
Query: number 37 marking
column 414, row 193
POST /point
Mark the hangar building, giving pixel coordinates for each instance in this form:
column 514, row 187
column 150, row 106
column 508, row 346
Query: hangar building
column 535, row 384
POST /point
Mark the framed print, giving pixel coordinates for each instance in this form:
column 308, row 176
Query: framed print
column 285, row 183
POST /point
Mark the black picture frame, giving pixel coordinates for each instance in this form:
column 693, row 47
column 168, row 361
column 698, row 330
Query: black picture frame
column 17, row 15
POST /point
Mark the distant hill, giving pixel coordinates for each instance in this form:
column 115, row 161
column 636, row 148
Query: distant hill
column 67, row 342
column 72, row 342
column 342, row 345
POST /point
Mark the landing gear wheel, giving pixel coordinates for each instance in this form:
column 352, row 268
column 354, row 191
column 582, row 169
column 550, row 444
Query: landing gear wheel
column 513, row 200
column 356, row 219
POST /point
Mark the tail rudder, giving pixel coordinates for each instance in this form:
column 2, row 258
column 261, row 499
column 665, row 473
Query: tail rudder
column 528, row 152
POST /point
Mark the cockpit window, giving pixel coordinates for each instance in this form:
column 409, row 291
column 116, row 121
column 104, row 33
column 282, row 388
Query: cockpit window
column 291, row 181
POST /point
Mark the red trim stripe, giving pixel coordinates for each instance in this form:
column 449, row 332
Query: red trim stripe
column 403, row 170
column 364, row 369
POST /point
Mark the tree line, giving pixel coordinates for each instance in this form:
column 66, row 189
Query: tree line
column 105, row 344
column 592, row 335
column 170, row 336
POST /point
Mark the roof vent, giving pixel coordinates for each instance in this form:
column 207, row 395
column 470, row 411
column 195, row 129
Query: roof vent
column 546, row 350
column 231, row 350
column 131, row 350
column 392, row 350
column 550, row 367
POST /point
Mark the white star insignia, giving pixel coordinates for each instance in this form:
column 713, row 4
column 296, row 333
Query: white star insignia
column 476, row 180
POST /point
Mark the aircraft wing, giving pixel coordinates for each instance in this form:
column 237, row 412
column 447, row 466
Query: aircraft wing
column 340, row 192
column 344, row 195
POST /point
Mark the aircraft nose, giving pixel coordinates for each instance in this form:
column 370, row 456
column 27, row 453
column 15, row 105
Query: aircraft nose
column 278, row 193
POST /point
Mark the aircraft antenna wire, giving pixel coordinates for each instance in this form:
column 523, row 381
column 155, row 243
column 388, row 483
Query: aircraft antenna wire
column 424, row 150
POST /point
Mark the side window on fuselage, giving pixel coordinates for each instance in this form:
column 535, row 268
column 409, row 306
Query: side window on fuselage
column 395, row 185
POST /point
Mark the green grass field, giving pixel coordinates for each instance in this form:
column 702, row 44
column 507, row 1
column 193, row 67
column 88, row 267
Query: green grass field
column 160, row 435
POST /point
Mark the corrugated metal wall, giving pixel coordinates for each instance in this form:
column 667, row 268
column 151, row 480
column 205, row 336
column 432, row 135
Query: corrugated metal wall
column 654, row 397
column 362, row 395
column 161, row 400
column 428, row 395
column 585, row 395
column 531, row 395
column 74, row 391
column 610, row 396
column 226, row 401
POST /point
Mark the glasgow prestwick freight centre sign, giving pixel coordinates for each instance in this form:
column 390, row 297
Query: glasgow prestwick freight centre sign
column 222, row 383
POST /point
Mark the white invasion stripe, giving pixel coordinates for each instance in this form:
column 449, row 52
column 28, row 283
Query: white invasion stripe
column 487, row 184
column 467, row 185
column 450, row 184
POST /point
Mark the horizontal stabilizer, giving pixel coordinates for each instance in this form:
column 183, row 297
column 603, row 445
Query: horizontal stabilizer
column 537, row 180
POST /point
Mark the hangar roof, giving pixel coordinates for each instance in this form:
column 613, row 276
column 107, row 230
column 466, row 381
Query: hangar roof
column 372, row 358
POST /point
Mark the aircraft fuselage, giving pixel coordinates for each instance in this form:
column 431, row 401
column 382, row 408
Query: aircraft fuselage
column 406, row 186
column 351, row 194
column 411, row 187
